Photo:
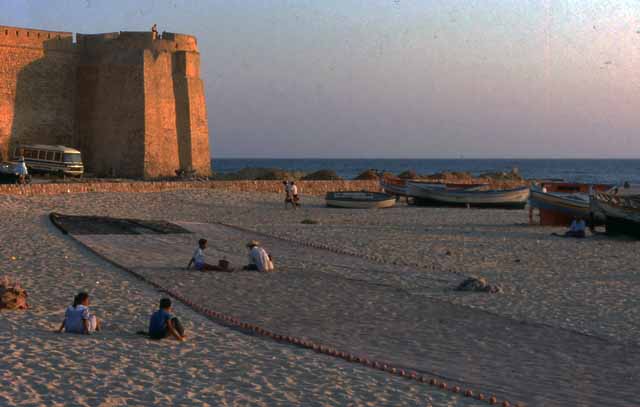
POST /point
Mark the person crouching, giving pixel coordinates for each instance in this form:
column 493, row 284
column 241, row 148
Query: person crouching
column 259, row 259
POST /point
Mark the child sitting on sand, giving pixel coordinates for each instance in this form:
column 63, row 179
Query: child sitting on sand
column 259, row 259
column 198, row 260
column 163, row 323
column 78, row 319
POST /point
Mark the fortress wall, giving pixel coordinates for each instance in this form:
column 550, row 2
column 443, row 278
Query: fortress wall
column 111, row 112
column 162, row 153
column 133, row 105
column 193, row 128
column 37, row 87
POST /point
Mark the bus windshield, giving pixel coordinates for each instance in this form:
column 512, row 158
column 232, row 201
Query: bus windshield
column 72, row 158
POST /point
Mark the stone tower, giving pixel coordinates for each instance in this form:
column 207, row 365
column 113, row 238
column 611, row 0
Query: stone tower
column 132, row 103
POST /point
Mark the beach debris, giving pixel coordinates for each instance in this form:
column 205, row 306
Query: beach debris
column 12, row 295
column 478, row 284
column 309, row 222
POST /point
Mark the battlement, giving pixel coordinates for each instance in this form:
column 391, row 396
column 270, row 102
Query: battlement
column 169, row 42
column 41, row 39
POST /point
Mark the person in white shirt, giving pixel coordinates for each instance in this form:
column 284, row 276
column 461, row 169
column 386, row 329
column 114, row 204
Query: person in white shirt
column 78, row 319
column 294, row 195
column 198, row 260
column 21, row 170
column 287, row 191
column 259, row 259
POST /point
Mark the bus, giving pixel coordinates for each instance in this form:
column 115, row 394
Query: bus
column 58, row 160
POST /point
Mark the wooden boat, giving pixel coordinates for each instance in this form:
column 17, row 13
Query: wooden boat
column 621, row 213
column 476, row 196
column 359, row 199
column 560, row 202
column 400, row 186
column 394, row 185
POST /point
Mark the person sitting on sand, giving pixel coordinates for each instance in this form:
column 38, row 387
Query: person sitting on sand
column 259, row 259
column 577, row 229
column 198, row 260
column 163, row 324
column 78, row 319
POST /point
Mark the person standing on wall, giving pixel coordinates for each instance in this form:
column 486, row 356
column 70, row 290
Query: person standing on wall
column 154, row 31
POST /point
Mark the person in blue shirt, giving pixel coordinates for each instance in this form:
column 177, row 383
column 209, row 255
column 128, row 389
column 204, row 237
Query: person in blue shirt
column 163, row 324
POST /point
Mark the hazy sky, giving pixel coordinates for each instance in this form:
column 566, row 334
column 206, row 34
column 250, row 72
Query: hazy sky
column 374, row 78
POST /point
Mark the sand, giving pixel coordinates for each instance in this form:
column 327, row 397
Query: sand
column 581, row 297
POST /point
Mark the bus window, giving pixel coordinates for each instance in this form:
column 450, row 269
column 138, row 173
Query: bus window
column 41, row 155
column 28, row 153
column 58, row 156
column 72, row 158
column 50, row 155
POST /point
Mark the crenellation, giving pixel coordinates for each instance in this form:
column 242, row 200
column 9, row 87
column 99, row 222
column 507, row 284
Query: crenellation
column 132, row 103
column 27, row 37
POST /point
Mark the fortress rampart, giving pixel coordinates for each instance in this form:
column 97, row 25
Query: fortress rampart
column 132, row 103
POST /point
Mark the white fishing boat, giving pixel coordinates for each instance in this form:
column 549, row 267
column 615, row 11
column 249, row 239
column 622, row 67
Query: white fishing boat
column 474, row 195
column 359, row 200
column 621, row 212
column 394, row 185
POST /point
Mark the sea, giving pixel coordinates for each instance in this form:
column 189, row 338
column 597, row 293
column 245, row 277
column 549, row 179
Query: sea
column 604, row 171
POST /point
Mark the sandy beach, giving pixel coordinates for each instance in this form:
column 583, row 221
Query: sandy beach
column 563, row 332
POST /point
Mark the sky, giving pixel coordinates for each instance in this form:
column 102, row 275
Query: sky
column 396, row 78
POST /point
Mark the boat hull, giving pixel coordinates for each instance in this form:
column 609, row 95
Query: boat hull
column 551, row 202
column 394, row 187
column 621, row 214
column 359, row 200
column 442, row 196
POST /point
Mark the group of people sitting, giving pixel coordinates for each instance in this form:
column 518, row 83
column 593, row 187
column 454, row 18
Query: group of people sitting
column 259, row 259
column 162, row 323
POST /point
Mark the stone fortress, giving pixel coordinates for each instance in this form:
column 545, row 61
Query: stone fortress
column 132, row 102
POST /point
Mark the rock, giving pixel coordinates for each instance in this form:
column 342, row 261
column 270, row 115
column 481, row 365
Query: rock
column 409, row 174
column 266, row 174
column 322, row 175
column 478, row 284
column 368, row 174
column 12, row 296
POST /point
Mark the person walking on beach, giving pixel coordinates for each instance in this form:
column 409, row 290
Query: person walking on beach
column 198, row 260
column 21, row 170
column 78, row 319
column 287, row 194
column 294, row 195
column 259, row 259
column 163, row 324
